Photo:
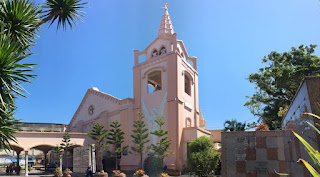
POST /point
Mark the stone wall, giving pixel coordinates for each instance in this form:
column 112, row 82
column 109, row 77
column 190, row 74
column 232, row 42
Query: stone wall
column 260, row 154
column 81, row 159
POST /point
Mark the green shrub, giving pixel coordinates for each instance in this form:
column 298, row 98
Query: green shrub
column 153, row 165
column 202, row 158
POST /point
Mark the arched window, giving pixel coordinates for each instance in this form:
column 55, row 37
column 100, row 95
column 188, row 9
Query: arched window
column 154, row 53
column 154, row 81
column 163, row 51
column 188, row 122
column 187, row 84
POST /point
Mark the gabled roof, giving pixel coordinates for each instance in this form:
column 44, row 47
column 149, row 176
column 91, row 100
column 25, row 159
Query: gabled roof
column 313, row 88
column 95, row 91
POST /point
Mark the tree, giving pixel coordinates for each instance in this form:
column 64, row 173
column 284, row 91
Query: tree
column 12, row 73
column 202, row 158
column 23, row 18
column 161, row 149
column 233, row 125
column 58, row 151
column 98, row 133
column 278, row 81
column 66, row 146
column 19, row 23
column 140, row 137
column 116, row 138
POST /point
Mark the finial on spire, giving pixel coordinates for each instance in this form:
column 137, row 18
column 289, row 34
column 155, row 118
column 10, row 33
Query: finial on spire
column 165, row 6
column 165, row 24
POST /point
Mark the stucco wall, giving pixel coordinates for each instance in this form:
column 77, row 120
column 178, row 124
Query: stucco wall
column 300, row 105
column 100, row 105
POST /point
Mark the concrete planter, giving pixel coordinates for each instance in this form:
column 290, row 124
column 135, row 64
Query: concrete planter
column 101, row 174
column 119, row 175
column 140, row 176
column 67, row 173
column 174, row 173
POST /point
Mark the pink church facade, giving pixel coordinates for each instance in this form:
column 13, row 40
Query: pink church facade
column 165, row 84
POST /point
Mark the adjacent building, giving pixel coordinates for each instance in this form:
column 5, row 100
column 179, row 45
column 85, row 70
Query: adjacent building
column 306, row 99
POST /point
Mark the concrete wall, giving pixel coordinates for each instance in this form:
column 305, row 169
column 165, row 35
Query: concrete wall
column 260, row 154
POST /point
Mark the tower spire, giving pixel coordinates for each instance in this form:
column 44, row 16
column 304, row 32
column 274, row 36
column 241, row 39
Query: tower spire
column 165, row 23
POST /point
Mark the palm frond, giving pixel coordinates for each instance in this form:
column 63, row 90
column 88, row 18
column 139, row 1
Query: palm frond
column 65, row 12
column 19, row 18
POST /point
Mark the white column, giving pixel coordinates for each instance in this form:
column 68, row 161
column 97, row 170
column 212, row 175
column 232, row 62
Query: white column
column 61, row 162
column 90, row 156
column 93, row 158
column 26, row 164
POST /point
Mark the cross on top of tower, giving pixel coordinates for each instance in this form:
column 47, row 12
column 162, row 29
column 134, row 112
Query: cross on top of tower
column 165, row 24
column 165, row 6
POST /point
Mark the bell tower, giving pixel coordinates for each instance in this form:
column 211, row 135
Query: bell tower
column 166, row 84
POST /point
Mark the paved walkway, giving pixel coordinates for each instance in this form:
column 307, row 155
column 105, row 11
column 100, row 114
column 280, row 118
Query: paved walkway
column 32, row 173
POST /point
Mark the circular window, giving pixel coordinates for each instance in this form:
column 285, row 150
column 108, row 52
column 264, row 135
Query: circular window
column 91, row 110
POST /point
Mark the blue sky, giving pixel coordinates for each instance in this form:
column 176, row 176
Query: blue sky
column 229, row 38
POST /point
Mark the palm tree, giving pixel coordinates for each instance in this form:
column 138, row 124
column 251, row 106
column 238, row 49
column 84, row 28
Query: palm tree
column 12, row 73
column 22, row 18
column 234, row 125
column 19, row 22
column 66, row 11
column 98, row 133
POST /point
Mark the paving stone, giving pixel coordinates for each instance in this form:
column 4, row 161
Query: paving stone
column 272, row 142
column 230, row 142
column 251, row 175
column 250, row 154
column 240, row 154
column 281, row 154
column 261, row 155
column 272, row 153
column 262, row 175
column 241, row 175
column 273, row 165
column 280, row 142
column 251, row 142
column 250, row 166
column 282, row 166
column 261, row 168
column 273, row 175
column 230, row 156
column 241, row 166
column 231, row 173
column 261, row 142
column 231, row 166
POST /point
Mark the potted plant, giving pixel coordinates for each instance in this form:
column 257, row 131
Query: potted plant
column 67, row 172
column 118, row 173
column 140, row 173
column 58, row 172
column 164, row 174
column 101, row 174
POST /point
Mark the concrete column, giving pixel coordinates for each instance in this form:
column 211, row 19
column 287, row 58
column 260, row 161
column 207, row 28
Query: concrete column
column 93, row 158
column 61, row 162
column 26, row 164
column 90, row 156
column 45, row 160
column 18, row 157
column 136, row 57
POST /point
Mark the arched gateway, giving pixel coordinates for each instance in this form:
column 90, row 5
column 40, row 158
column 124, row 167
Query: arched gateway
column 45, row 141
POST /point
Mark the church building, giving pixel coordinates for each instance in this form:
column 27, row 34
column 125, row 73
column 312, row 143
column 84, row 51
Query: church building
column 165, row 84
